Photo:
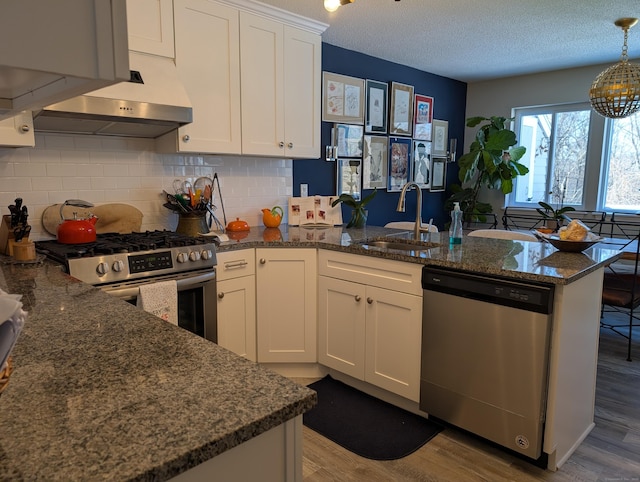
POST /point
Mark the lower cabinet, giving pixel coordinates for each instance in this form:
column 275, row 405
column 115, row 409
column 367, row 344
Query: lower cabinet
column 366, row 329
column 286, row 281
column 236, row 291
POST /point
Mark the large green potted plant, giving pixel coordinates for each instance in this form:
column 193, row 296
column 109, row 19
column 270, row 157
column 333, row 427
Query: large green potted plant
column 492, row 162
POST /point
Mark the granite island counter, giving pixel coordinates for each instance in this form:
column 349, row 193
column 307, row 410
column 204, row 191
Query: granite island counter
column 103, row 390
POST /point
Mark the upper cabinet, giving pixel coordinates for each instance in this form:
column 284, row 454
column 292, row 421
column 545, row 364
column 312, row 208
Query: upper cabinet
column 150, row 24
column 17, row 131
column 77, row 46
column 235, row 58
column 279, row 121
column 208, row 63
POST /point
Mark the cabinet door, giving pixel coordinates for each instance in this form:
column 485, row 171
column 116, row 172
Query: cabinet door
column 286, row 281
column 17, row 131
column 262, row 72
column 393, row 339
column 208, row 62
column 150, row 24
column 237, row 315
column 341, row 326
column 302, row 77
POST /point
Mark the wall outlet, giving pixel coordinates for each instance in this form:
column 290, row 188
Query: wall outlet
column 304, row 190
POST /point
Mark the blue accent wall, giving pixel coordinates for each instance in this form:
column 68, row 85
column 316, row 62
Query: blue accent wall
column 449, row 104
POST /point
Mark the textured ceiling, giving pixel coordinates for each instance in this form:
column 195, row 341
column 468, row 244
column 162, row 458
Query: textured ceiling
column 473, row 40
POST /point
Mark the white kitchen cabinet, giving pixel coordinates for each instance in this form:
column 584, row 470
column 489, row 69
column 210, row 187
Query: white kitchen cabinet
column 286, row 283
column 208, row 62
column 150, row 26
column 17, row 131
column 281, row 85
column 370, row 320
column 236, row 291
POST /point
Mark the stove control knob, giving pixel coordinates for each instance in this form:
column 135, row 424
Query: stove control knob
column 206, row 254
column 102, row 269
column 183, row 257
column 194, row 255
column 118, row 266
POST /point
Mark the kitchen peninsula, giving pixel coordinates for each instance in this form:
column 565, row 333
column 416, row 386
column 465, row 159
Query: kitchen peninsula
column 102, row 389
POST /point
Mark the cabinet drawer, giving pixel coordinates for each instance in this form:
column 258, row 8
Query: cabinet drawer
column 234, row 264
column 383, row 273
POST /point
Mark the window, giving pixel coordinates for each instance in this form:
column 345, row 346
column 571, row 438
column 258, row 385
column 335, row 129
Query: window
column 557, row 140
column 621, row 186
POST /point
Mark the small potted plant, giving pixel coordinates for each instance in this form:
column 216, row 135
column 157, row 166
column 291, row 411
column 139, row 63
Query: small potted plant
column 358, row 213
column 551, row 214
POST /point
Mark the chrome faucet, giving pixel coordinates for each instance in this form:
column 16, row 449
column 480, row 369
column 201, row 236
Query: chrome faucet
column 418, row 226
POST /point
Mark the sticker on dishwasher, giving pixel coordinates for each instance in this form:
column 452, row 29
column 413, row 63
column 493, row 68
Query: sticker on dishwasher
column 522, row 442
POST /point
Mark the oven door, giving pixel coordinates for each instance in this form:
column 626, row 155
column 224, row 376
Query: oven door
column 196, row 299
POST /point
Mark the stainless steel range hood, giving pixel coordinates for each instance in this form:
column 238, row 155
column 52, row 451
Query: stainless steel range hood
column 151, row 104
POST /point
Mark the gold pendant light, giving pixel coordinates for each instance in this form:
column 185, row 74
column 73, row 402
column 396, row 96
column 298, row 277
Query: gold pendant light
column 615, row 93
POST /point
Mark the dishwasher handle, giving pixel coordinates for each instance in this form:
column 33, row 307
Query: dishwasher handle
column 524, row 295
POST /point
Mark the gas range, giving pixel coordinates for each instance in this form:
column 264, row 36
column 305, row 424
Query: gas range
column 115, row 258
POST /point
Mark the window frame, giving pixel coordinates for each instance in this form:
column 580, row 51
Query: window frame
column 594, row 166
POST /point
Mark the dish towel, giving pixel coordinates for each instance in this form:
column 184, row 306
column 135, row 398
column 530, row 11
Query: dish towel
column 12, row 318
column 160, row 299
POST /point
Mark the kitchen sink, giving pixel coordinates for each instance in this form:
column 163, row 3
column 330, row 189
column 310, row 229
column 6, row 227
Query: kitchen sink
column 411, row 249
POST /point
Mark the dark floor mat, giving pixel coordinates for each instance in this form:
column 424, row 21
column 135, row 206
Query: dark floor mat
column 364, row 424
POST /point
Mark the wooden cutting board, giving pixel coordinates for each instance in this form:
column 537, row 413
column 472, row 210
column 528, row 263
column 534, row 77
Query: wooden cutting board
column 112, row 217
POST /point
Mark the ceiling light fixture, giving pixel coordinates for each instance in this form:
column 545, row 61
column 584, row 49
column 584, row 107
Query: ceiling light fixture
column 333, row 5
column 615, row 92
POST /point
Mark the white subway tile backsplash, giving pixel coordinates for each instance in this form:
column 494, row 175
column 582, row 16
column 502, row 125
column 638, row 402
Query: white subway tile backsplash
column 104, row 170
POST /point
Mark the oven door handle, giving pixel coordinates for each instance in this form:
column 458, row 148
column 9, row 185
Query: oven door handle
column 130, row 292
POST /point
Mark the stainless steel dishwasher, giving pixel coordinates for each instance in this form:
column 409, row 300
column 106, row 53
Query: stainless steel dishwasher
column 485, row 347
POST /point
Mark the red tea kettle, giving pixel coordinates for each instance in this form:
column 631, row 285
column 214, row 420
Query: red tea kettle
column 76, row 231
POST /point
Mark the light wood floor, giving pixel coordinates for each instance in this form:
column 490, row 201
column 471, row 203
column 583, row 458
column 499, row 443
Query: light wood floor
column 610, row 453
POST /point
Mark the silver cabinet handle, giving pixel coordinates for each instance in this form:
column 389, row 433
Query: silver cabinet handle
column 25, row 128
column 235, row 264
column 369, row 300
column 358, row 298
column 186, row 138
column 280, row 144
column 220, row 295
column 290, row 145
column 263, row 261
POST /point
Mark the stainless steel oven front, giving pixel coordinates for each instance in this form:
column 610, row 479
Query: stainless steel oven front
column 196, row 299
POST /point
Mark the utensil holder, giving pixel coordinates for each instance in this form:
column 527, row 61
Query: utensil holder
column 192, row 224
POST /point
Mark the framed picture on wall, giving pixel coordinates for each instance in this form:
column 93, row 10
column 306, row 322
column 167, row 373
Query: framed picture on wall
column 423, row 116
column 342, row 98
column 440, row 134
column 349, row 177
column 399, row 163
column 438, row 173
column 348, row 140
column 374, row 166
column 421, row 163
column 375, row 118
column 401, row 110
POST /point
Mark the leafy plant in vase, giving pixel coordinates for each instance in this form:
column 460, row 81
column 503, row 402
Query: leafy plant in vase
column 492, row 162
column 358, row 213
column 551, row 214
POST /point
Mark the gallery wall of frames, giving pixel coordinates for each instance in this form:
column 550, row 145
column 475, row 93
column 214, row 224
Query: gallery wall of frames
column 384, row 135
column 384, row 125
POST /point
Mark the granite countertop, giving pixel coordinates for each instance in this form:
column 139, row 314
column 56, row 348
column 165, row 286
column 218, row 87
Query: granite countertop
column 534, row 261
column 103, row 390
